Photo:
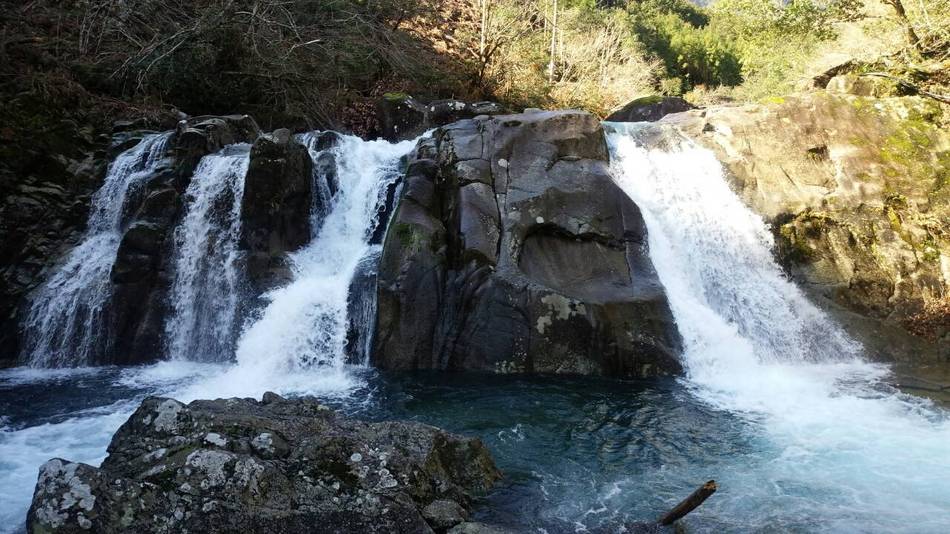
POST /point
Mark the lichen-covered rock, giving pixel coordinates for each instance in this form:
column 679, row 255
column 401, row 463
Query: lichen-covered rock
column 512, row 250
column 857, row 190
column 278, row 465
column 443, row 514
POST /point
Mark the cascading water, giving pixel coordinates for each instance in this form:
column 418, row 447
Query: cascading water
column 66, row 323
column 754, row 345
column 778, row 405
column 304, row 324
column 206, row 290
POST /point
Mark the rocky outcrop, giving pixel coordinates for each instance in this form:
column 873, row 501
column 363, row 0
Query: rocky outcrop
column 275, row 210
column 857, row 190
column 512, row 250
column 141, row 273
column 47, row 177
column 279, row 465
column 650, row 109
column 401, row 116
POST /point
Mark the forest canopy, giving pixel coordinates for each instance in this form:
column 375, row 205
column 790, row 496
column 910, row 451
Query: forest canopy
column 322, row 62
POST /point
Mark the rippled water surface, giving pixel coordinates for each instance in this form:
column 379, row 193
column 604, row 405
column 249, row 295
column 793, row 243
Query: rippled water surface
column 577, row 453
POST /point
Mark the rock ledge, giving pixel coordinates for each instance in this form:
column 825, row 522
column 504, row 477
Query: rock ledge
column 278, row 465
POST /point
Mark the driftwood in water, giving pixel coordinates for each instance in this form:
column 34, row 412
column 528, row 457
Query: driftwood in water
column 689, row 503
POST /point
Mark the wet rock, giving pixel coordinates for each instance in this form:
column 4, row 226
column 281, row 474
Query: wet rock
column 472, row 527
column 854, row 188
column 275, row 210
column 650, row 109
column 47, row 176
column 139, row 252
column 512, row 250
column 199, row 136
column 237, row 465
column 403, row 117
column 442, row 514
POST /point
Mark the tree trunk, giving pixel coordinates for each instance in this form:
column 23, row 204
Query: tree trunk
column 553, row 45
column 689, row 503
column 911, row 34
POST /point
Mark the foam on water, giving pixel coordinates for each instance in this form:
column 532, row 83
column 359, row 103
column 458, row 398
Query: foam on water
column 850, row 447
column 76, row 434
column 66, row 321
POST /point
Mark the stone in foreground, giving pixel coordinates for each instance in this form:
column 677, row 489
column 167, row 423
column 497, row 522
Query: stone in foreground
column 279, row 465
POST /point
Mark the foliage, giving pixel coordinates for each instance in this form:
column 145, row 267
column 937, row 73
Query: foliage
column 774, row 40
column 930, row 20
column 598, row 61
column 690, row 52
column 324, row 62
column 296, row 61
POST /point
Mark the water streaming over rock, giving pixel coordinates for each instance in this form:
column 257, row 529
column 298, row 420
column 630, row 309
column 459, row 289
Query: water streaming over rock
column 728, row 293
column 207, row 286
column 66, row 324
column 304, row 325
column 754, row 345
column 799, row 431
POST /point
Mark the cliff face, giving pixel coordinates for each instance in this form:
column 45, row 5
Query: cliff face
column 512, row 250
column 857, row 190
column 47, row 178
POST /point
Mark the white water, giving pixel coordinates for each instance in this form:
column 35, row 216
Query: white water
column 206, row 290
column 298, row 341
column 870, row 458
column 296, row 345
column 80, row 435
column 66, row 320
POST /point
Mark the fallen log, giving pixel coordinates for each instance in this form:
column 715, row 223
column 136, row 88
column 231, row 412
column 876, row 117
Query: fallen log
column 689, row 503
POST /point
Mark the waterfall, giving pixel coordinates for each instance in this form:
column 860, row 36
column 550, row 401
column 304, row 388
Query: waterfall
column 755, row 346
column 304, row 325
column 207, row 285
column 66, row 320
column 715, row 259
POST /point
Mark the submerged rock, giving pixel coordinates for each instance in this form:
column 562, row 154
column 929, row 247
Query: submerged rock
column 512, row 250
column 279, row 465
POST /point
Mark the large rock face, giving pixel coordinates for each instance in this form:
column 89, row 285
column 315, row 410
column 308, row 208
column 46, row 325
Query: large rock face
column 279, row 465
column 275, row 210
column 47, row 177
column 857, row 190
column 512, row 250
